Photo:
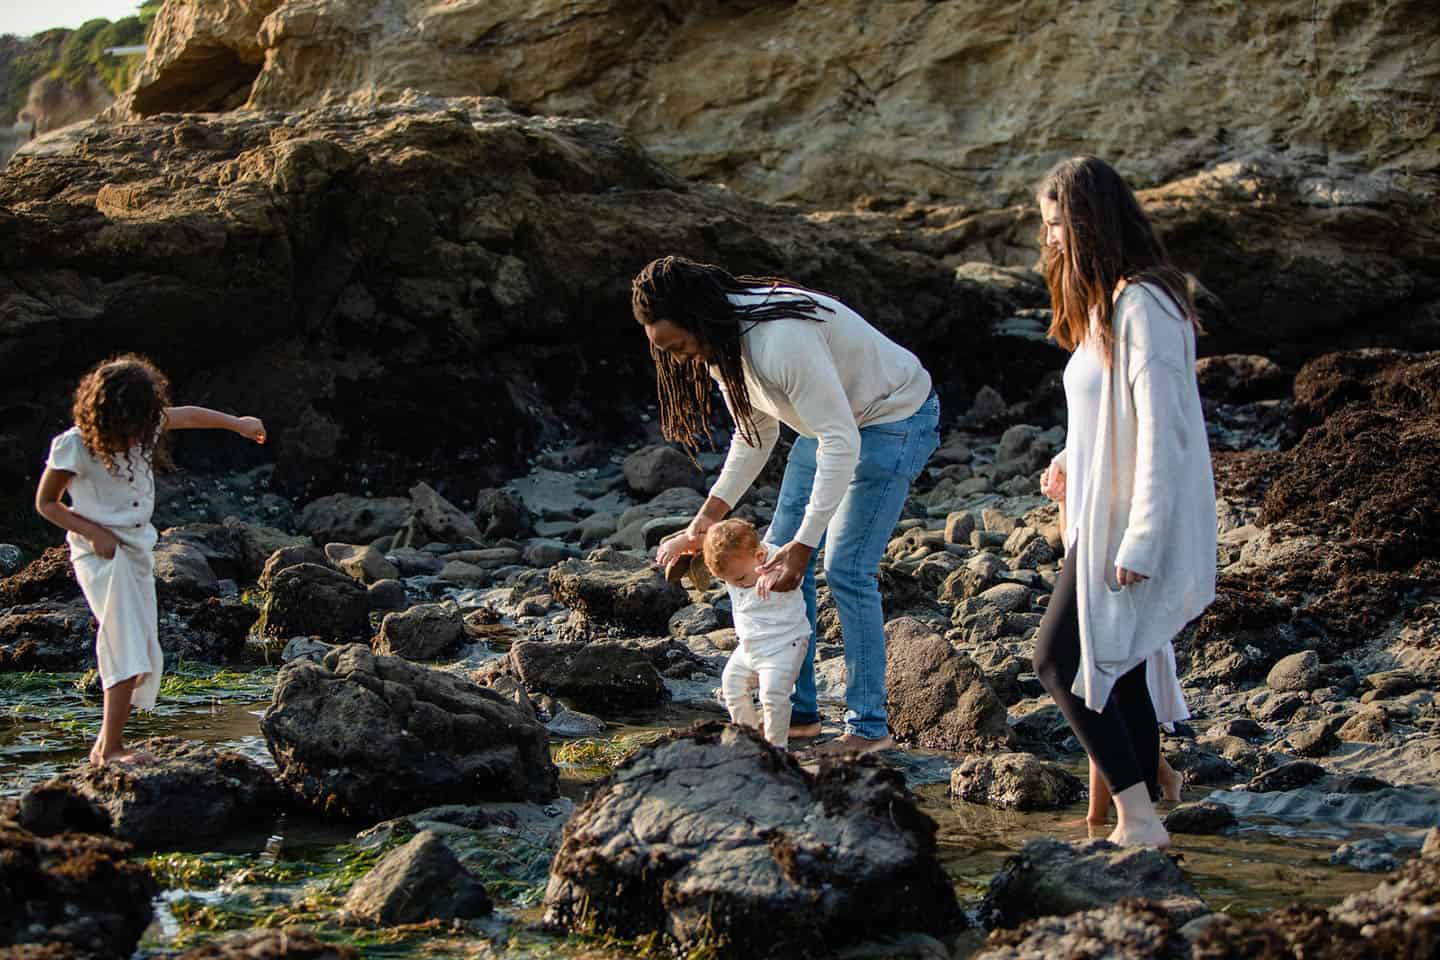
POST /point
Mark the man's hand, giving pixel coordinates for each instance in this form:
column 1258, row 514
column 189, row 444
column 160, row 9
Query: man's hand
column 784, row 571
column 104, row 542
column 1052, row 481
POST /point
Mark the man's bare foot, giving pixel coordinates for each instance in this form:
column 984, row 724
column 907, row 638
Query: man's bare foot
column 1148, row 833
column 851, row 745
column 804, row 731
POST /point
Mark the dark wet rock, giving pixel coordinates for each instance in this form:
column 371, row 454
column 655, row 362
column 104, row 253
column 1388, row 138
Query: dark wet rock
column 287, row 943
column 75, row 889
column 291, row 556
column 547, row 553
column 191, row 794
column 499, row 515
column 12, row 560
column 419, row 881
column 1200, row 818
column 1270, row 707
column 181, row 570
column 1238, row 638
column 366, row 737
column 1242, row 727
column 414, row 563
column 1130, row 930
column 312, row 600
column 1369, row 725
column 304, row 648
column 55, row 807
column 958, row 527
column 433, row 519
column 1014, row 781
column 1359, row 783
column 1007, row 597
column 1371, row 855
column 211, row 631
column 1053, row 878
column 601, row 676
column 1241, row 378
column 48, row 577
column 625, row 591
column 713, row 834
column 694, row 620
column 674, row 502
column 1395, row 921
column 426, row 631
column 1289, row 776
column 465, row 574
column 597, row 528
column 343, row 518
column 387, row 595
column 360, row 562
column 1299, row 672
column 1203, row 767
column 937, row 697
column 1391, row 684
column 657, row 468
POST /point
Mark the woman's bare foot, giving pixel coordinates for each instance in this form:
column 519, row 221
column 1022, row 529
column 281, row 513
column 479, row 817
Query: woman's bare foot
column 804, row 731
column 1171, row 782
column 1147, row 833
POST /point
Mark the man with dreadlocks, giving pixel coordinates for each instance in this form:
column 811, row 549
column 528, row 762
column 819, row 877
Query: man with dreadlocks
column 867, row 421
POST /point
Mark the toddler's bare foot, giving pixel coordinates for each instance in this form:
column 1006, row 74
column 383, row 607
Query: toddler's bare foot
column 1147, row 833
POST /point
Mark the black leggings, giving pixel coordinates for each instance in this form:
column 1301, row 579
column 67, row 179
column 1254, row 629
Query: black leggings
column 1124, row 739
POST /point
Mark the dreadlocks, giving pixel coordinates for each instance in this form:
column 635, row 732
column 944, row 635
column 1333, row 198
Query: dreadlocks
column 696, row 297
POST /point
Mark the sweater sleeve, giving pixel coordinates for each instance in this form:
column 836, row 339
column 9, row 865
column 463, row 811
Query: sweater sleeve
column 744, row 462
column 806, row 373
column 1157, row 391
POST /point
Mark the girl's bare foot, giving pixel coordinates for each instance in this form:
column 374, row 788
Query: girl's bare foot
column 1147, row 833
column 1171, row 782
column 120, row 756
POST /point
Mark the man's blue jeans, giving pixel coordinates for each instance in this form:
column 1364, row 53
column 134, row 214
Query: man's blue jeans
column 891, row 457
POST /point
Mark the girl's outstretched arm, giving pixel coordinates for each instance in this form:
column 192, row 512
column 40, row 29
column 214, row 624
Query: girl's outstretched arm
column 203, row 418
column 47, row 503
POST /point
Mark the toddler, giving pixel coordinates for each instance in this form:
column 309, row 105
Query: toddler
column 106, row 463
column 772, row 629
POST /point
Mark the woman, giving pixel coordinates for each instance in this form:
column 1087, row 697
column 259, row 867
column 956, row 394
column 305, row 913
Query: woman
column 1135, row 477
column 867, row 421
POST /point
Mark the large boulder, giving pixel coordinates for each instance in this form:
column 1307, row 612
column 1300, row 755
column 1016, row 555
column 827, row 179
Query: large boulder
column 1052, row 878
column 416, row 882
column 427, row 631
column 61, row 635
column 48, row 577
column 433, row 519
column 311, row 599
column 1014, row 781
column 182, row 570
column 628, row 592
column 599, row 676
column 1130, row 930
column 367, row 737
column 361, row 562
column 654, row 469
column 81, row 891
column 343, row 518
column 713, row 835
column 191, row 794
column 937, row 697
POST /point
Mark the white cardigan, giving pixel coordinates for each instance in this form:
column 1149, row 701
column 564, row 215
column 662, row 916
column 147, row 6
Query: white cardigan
column 1149, row 499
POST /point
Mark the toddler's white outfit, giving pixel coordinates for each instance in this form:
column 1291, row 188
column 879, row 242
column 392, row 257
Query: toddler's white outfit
column 121, row 590
column 773, row 636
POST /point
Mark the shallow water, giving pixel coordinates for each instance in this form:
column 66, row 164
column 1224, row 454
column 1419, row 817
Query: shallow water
column 295, row 869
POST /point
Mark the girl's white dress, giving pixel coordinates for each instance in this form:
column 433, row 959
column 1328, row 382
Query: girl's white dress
column 121, row 590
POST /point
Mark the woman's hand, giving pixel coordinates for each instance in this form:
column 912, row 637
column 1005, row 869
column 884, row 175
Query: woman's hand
column 1052, row 481
column 1128, row 577
column 251, row 428
column 784, row 571
column 104, row 542
column 677, row 545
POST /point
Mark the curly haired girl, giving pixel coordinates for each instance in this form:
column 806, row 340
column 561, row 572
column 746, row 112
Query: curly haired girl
column 106, row 463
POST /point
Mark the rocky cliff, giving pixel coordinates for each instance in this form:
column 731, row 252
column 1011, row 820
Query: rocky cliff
column 831, row 101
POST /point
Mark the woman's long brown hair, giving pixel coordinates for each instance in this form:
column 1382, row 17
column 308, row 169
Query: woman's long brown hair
column 1108, row 238
column 119, row 405
column 696, row 297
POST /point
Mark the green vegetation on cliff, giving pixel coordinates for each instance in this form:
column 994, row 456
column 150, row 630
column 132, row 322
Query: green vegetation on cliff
column 72, row 56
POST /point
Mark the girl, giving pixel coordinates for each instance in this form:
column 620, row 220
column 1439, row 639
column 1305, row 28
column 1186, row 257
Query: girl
column 106, row 462
column 1138, row 488
column 867, row 419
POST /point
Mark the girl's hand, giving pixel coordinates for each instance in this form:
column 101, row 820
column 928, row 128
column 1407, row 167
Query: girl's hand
column 1128, row 577
column 104, row 542
column 1052, row 481
column 251, row 428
